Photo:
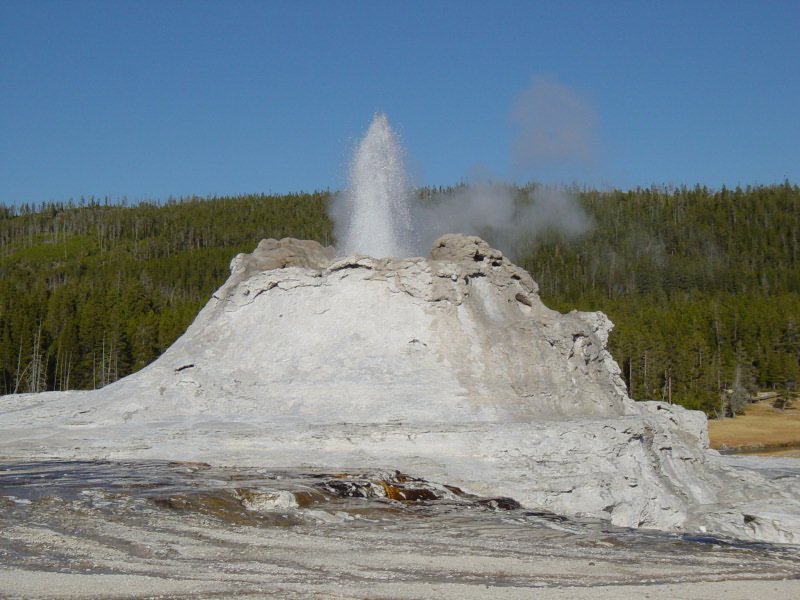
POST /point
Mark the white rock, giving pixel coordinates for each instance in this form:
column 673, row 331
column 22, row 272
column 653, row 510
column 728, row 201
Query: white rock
column 449, row 368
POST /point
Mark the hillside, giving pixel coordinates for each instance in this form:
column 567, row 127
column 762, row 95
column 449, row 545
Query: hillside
column 703, row 286
column 92, row 292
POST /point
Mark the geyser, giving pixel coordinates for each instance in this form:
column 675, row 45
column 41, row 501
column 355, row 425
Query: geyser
column 448, row 367
column 374, row 215
column 380, row 215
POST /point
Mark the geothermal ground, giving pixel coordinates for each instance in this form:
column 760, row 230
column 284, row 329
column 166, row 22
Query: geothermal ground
column 146, row 529
column 448, row 368
column 355, row 427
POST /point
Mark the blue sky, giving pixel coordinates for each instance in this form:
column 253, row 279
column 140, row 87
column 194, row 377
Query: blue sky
column 156, row 98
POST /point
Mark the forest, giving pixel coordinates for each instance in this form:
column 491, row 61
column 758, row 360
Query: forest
column 703, row 285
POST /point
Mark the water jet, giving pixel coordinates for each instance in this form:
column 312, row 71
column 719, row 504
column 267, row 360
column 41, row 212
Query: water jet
column 375, row 207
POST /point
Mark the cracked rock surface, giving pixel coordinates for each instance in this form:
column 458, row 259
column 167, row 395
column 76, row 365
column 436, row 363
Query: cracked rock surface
column 450, row 368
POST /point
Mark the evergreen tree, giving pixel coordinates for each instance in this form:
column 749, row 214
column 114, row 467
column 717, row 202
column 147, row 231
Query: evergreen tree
column 703, row 286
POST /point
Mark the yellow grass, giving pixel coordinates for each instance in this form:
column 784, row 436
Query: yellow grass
column 762, row 427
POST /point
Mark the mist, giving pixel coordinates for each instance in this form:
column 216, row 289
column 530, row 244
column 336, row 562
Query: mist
column 509, row 217
column 554, row 127
column 379, row 213
column 554, row 130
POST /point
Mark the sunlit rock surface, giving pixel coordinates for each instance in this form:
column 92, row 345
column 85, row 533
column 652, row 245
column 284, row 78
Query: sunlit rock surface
column 449, row 368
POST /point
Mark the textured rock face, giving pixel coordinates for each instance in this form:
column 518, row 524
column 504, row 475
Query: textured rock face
column 300, row 335
column 449, row 368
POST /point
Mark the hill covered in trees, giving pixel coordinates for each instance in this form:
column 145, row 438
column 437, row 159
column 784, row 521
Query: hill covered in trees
column 704, row 286
column 704, row 289
column 93, row 292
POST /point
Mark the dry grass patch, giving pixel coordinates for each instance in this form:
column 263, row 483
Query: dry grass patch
column 761, row 427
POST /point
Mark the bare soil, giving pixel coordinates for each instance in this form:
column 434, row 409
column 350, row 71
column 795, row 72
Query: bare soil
column 761, row 429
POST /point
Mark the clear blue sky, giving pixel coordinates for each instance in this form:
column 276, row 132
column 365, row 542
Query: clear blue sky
column 156, row 98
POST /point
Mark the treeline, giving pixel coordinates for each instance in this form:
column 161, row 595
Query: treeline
column 703, row 286
column 91, row 292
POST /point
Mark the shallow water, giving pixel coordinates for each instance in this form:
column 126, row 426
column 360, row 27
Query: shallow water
column 239, row 531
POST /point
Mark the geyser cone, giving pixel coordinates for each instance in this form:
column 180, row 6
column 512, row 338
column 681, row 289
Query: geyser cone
column 377, row 218
column 449, row 368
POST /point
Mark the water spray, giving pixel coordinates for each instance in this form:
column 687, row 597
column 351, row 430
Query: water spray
column 374, row 211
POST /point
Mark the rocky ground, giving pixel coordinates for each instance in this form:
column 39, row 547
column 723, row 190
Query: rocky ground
column 143, row 530
column 449, row 369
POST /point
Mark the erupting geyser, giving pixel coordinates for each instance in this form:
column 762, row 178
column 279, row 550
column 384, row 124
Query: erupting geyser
column 448, row 367
column 375, row 217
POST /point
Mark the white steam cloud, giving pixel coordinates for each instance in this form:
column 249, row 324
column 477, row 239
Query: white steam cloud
column 509, row 217
column 554, row 127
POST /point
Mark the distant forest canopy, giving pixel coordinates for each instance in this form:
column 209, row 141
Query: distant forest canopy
column 703, row 285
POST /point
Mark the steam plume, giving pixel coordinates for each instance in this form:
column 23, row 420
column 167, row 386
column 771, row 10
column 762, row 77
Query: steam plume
column 378, row 214
column 509, row 217
column 555, row 126
column 373, row 215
